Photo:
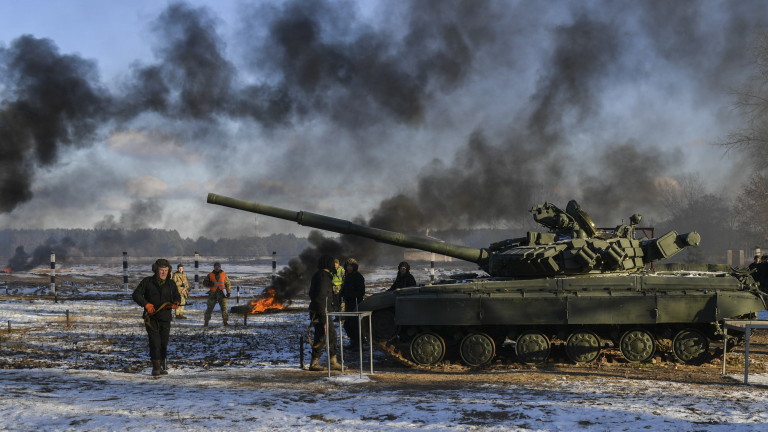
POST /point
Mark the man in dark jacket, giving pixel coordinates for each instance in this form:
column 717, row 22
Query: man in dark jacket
column 755, row 263
column 158, row 295
column 762, row 273
column 321, row 299
column 353, row 291
column 404, row 277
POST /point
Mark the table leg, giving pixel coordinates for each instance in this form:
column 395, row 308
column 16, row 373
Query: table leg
column 725, row 346
column 370, row 342
column 747, row 331
column 327, row 344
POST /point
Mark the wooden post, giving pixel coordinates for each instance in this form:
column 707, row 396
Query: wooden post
column 125, row 271
column 197, row 266
column 432, row 268
column 301, row 351
column 274, row 266
column 53, row 276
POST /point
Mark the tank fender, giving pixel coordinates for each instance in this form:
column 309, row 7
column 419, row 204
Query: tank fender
column 378, row 301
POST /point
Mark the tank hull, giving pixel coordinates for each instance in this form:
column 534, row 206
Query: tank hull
column 608, row 307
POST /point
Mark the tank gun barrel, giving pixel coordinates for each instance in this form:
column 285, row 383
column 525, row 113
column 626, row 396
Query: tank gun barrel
column 669, row 245
column 314, row 220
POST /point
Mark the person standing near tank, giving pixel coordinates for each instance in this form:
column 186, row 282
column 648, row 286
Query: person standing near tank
column 753, row 268
column 158, row 295
column 761, row 274
column 353, row 291
column 755, row 262
column 322, row 299
column 404, row 277
column 218, row 292
column 338, row 281
column 182, row 283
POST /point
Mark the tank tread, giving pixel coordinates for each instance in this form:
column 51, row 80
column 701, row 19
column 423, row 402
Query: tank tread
column 392, row 351
column 610, row 354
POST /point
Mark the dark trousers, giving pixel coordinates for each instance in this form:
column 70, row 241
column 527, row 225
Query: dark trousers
column 158, row 338
column 318, row 342
column 351, row 324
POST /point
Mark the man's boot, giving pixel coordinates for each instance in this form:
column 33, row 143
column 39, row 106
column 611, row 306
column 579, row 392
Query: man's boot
column 164, row 367
column 335, row 365
column 225, row 322
column 205, row 324
column 156, row 368
column 315, row 365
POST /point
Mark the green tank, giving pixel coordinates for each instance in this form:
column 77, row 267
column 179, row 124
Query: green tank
column 572, row 286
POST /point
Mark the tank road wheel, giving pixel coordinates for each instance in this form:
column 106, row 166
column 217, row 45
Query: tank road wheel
column 532, row 348
column 637, row 345
column 427, row 349
column 383, row 325
column 582, row 346
column 690, row 346
column 477, row 349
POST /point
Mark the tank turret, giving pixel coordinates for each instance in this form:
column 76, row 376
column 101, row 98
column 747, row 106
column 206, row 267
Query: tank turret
column 572, row 244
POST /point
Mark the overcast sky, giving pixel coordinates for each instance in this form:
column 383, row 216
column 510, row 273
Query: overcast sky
column 126, row 114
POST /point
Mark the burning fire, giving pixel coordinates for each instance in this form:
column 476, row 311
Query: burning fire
column 267, row 301
column 7, row 270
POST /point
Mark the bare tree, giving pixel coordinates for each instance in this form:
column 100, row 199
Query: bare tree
column 752, row 207
column 680, row 193
column 753, row 102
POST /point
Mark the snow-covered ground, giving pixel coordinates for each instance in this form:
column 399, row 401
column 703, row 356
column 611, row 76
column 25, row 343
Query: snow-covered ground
column 90, row 372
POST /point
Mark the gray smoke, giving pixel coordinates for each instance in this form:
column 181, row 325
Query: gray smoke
column 510, row 104
column 489, row 183
column 320, row 61
column 497, row 180
column 192, row 78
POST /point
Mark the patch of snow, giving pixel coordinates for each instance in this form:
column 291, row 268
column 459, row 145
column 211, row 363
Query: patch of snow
column 91, row 373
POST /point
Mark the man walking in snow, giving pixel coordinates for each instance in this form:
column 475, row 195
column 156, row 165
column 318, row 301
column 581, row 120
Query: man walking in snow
column 158, row 295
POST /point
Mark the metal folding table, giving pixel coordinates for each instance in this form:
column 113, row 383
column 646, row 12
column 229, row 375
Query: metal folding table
column 745, row 326
column 359, row 316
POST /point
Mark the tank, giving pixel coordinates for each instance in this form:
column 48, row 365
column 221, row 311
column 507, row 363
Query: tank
column 574, row 287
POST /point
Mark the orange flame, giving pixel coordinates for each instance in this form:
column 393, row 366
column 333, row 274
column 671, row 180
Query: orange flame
column 267, row 301
column 7, row 270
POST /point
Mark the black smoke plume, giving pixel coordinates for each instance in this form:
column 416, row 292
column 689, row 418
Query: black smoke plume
column 49, row 101
column 192, row 78
column 22, row 261
column 320, row 61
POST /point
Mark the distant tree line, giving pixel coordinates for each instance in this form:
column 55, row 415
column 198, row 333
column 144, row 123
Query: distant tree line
column 725, row 221
column 31, row 243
